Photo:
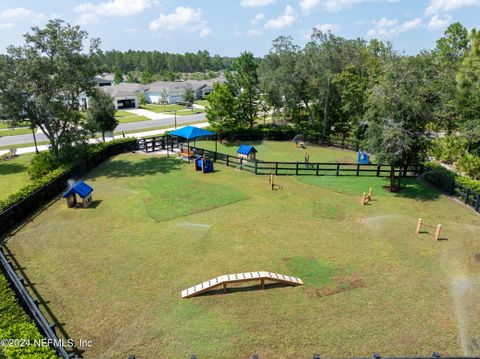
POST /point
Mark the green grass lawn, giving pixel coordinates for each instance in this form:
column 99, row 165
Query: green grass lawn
column 14, row 132
column 13, row 174
column 201, row 102
column 284, row 151
column 113, row 273
column 21, row 145
column 181, row 110
column 188, row 112
column 127, row 117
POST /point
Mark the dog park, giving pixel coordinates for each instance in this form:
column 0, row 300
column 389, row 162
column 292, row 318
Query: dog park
column 316, row 271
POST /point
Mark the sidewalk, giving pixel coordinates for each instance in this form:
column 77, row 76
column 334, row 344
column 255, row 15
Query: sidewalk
column 107, row 139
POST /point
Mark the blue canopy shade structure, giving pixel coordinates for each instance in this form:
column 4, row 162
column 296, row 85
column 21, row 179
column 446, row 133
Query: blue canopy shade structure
column 246, row 150
column 81, row 188
column 191, row 132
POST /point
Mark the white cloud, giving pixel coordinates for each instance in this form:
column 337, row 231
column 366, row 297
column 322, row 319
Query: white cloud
column 437, row 6
column 308, row 5
column 391, row 27
column 85, row 19
column 438, row 22
column 257, row 18
column 91, row 13
column 256, row 3
column 21, row 13
column 7, row 25
column 334, row 5
column 253, row 33
column 285, row 20
column 183, row 18
column 327, row 27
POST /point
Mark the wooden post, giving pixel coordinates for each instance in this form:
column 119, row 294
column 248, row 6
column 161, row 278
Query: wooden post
column 364, row 198
column 227, row 161
column 276, row 168
column 370, row 194
column 378, row 170
column 203, row 164
column 224, row 287
column 437, row 232
column 338, row 169
column 318, row 168
column 262, row 283
column 419, row 226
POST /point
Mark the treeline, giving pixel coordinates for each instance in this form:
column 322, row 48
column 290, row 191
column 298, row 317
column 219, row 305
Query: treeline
column 163, row 63
column 395, row 105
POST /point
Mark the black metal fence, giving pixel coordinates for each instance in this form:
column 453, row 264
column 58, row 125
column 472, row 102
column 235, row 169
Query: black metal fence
column 448, row 184
column 31, row 305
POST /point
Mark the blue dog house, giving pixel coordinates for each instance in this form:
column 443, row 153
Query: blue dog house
column 247, row 152
column 83, row 190
column 204, row 165
column 363, row 157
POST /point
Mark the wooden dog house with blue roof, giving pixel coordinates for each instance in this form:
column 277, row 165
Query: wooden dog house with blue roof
column 247, row 152
column 83, row 190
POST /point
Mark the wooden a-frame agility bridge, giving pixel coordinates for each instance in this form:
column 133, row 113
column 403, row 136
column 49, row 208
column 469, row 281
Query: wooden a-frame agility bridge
column 223, row 280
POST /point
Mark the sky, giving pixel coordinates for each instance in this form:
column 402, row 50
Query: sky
column 229, row 27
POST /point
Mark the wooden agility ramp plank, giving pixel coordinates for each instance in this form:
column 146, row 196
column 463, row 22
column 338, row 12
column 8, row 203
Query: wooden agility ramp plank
column 223, row 280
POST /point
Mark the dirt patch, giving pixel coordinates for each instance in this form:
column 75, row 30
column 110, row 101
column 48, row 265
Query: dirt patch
column 344, row 283
column 477, row 257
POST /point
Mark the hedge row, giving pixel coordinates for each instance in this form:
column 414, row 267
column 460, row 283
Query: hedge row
column 463, row 180
column 262, row 132
column 15, row 324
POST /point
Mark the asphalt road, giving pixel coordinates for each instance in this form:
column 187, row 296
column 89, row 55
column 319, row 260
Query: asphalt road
column 142, row 125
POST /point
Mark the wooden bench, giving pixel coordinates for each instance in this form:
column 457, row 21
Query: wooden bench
column 223, row 280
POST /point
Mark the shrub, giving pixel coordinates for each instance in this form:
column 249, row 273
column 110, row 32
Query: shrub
column 42, row 164
column 470, row 165
column 463, row 180
column 15, row 324
column 448, row 149
column 262, row 132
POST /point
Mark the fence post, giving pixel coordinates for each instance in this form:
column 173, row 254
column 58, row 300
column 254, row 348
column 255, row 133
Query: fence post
column 296, row 169
column 467, row 195
column 378, row 170
column 276, row 168
column 226, row 161
column 452, row 187
column 477, row 204
column 358, row 169
column 338, row 169
column 318, row 168
column 392, row 171
column 405, row 171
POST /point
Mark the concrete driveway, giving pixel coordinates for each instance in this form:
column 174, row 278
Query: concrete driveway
column 149, row 114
